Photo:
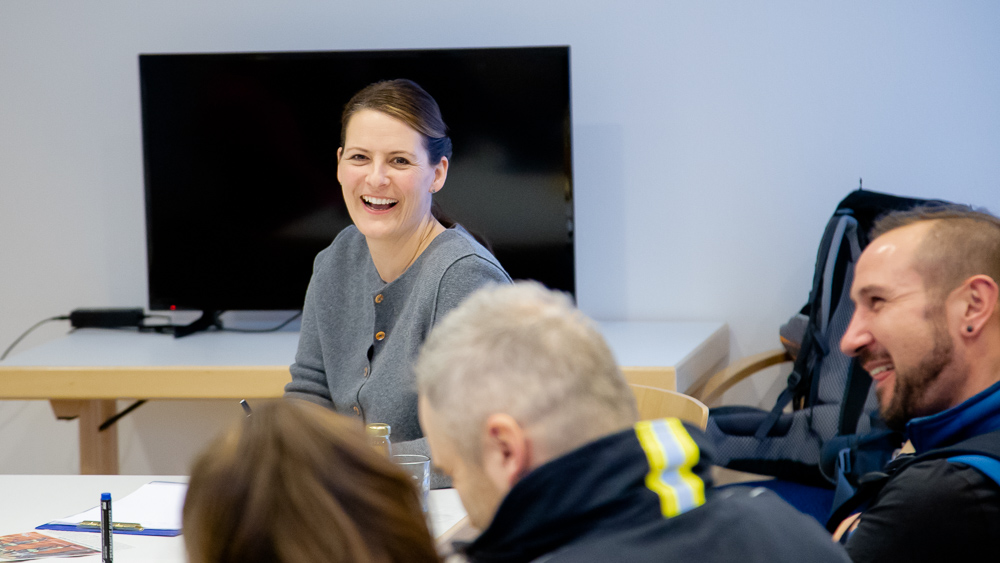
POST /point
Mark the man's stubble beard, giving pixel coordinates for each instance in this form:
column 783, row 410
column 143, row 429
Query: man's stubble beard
column 910, row 387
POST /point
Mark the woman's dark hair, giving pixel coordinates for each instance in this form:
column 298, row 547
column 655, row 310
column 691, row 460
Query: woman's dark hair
column 298, row 483
column 408, row 102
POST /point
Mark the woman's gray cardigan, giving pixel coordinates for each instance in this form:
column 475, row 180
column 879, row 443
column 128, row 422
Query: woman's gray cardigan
column 343, row 364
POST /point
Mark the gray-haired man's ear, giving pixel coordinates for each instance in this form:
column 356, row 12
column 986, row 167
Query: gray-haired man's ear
column 507, row 451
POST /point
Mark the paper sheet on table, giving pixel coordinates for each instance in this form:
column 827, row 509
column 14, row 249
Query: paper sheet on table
column 157, row 506
column 445, row 508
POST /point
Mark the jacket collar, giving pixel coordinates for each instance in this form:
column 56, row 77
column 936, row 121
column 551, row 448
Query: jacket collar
column 977, row 415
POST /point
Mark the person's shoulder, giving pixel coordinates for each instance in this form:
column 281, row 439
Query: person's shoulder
column 760, row 520
column 458, row 242
column 457, row 255
column 735, row 523
column 349, row 244
column 928, row 484
column 927, row 491
column 930, row 510
column 475, row 270
column 933, row 474
column 349, row 236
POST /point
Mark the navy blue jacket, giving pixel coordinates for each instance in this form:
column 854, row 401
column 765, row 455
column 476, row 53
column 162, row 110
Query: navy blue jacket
column 645, row 494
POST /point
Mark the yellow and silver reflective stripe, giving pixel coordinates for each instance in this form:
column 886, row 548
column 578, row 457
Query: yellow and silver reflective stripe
column 672, row 453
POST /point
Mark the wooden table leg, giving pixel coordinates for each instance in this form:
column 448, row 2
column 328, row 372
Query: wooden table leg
column 98, row 449
column 66, row 409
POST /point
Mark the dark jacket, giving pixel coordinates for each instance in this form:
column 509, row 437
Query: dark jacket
column 935, row 509
column 644, row 494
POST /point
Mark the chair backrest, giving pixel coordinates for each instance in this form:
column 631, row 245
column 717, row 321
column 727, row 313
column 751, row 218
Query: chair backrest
column 662, row 378
column 659, row 403
column 711, row 392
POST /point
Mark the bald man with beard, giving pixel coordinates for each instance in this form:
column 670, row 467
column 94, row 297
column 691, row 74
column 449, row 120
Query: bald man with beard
column 927, row 328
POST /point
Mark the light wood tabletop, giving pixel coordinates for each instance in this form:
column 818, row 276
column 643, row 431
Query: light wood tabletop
column 83, row 373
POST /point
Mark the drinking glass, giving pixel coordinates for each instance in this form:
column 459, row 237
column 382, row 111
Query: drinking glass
column 418, row 467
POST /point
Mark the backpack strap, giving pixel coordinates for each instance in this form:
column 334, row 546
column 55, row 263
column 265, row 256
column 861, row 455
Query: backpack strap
column 844, row 460
column 855, row 395
column 987, row 465
column 846, row 229
column 843, row 489
column 840, row 227
column 869, row 486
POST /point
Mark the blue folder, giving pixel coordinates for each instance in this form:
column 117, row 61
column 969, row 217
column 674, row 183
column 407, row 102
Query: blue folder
column 159, row 501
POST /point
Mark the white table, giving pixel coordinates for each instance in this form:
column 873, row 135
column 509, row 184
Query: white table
column 694, row 350
column 31, row 500
column 84, row 372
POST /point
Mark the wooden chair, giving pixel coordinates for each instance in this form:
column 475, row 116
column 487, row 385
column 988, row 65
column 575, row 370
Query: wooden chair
column 661, row 378
column 659, row 403
column 722, row 381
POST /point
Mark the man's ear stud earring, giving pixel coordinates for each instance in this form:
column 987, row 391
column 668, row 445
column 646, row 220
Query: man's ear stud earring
column 968, row 328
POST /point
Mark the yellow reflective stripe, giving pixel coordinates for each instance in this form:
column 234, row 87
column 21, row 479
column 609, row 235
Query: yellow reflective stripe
column 657, row 463
column 671, row 453
column 680, row 457
column 691, row 456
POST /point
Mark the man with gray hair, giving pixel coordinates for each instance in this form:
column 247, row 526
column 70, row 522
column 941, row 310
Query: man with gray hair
column 524, row 406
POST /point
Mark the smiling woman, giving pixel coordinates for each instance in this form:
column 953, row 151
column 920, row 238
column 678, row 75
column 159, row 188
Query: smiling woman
column 388, row 178
column 380, row 287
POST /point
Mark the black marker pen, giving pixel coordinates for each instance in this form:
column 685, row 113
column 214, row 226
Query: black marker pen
column 107, row 547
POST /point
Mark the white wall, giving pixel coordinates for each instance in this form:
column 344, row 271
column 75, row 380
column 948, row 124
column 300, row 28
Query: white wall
column 711, row 140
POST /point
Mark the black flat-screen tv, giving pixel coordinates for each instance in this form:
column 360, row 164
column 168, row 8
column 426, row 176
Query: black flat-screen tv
column 241, row 174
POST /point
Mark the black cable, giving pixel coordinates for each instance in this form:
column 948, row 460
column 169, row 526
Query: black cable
column 27, row 332
column 168, row 326
column 272, row 329
column 141, row 328
column 145, row 328
column 107, row 423
column 158, row 328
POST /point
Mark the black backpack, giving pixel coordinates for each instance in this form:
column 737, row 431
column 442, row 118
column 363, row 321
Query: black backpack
column 834, row 400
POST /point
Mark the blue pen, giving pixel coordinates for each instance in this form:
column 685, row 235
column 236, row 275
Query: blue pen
column 107, row 547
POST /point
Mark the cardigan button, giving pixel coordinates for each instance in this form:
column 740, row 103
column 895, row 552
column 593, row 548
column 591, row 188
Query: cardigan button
column 366, row 371
column 379, row 335
column 378, row 298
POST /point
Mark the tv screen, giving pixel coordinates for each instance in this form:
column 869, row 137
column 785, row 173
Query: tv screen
column 241, row 173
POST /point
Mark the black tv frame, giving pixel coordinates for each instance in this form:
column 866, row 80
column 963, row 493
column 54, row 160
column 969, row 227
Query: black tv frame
column 244, row 133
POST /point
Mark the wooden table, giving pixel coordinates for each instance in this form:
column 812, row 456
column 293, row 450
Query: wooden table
column 85, row 372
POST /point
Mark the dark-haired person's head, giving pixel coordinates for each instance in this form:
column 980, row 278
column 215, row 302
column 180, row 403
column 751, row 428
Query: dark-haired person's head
column 298, row 483
column 393, row 157
column 926, row 324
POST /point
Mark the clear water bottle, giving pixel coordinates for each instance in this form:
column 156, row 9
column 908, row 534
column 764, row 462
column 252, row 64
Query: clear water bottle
column 378, row 438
